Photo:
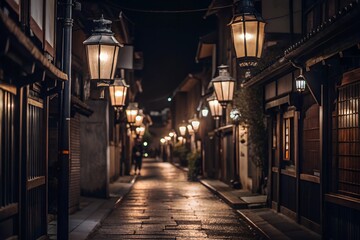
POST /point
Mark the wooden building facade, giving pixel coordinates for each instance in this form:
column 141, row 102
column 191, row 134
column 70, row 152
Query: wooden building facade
column 31, row 34
column 313, row 136
column 28, row 77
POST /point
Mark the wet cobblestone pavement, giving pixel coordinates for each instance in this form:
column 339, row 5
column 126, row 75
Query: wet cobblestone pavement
column 164, row 205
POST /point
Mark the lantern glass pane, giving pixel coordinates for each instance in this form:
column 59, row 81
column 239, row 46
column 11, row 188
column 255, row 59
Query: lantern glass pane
column 238, row 38
column 120, row 95
column 117, row 95
column 219, row 90
column 131, row 114
column 215, row 108
column 300, row 85
column 231, row 90
column 224, row 90
column 261, row 38
column 115, row 62
column 92, row 52
column 182, row 130
column 112, row 95
column 195, row 124
column 218, row 109
column 212, row 107
column 251, row 38
column 204, row 112
column 106, row 58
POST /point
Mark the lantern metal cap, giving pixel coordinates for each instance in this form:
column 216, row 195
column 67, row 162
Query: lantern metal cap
column 245, row 8
column 133, row 106
column 102, row 26
column 120, row 82
column 195, row 118
column 102, row 33
column 224, row 74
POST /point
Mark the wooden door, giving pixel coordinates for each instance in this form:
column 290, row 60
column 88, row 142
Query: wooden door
column 9, row 162
column 285, row 162
column 34, row 166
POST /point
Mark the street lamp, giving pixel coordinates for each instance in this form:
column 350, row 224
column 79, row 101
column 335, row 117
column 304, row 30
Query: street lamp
column 182, row 128
column 195, row 123
column 248, row 31
column 204, row 111
column 140, row 131
column 172, row 133
column 102, row 52
column 131, row 112
column 300, row 82
column 180, row 139
column 224, row 86
column 117, row 92
column 215, row 107
column 162, row 140
column 139, row 118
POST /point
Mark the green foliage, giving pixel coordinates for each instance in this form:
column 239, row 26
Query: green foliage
column 180, row 151
column 193, row 165
column 249, row 102
column 147, row 137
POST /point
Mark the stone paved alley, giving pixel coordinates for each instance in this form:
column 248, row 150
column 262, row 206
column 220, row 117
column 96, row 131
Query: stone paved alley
column 164, row 205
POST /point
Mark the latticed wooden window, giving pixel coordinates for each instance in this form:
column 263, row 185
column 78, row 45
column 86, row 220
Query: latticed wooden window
column 286, row 155
column 348, row 140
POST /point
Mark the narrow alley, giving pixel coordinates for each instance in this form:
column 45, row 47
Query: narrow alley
column 164, row 205
column 245, row 115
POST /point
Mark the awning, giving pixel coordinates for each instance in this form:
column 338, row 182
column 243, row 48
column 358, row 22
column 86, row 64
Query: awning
column 206, row 46
column 337, row 34
column 17, row 47
column 78, row 106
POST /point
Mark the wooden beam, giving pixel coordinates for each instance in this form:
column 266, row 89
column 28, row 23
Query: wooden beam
column 8, row 211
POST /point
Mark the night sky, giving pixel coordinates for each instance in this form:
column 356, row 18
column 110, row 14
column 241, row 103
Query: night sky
column 169, row 43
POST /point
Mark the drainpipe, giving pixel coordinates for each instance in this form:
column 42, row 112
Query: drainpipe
column 64, row 135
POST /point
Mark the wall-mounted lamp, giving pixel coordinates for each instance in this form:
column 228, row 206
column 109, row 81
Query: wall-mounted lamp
column 182, row 128
column 204, row 111
column 224, row 86
column 131, row 112
column 300, row 82
column 117, row 92
column 102, row 51
column 139, row 118
column 172, row 133
column 248, row 32
column 215, row 107
column 140, row 131
column 195, row 123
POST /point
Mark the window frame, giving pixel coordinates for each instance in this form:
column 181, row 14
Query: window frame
column 290, row 163
column 40, row 32
column 348, row 126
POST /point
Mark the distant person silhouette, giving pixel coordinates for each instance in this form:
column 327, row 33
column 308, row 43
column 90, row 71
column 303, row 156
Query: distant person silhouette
column 137, row 154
